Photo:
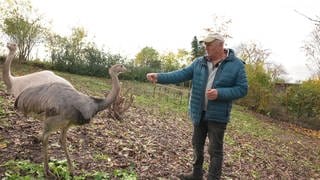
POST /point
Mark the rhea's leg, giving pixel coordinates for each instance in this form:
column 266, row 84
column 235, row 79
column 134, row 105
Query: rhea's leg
column 47, row 172
column 38, row 138
column 51, row 124
column 63, row 141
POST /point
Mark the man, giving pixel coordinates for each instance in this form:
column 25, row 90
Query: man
column 217, row 80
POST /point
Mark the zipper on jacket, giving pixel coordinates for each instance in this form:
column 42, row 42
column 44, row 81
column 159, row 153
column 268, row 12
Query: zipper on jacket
column 204, row 85
column 218, row 73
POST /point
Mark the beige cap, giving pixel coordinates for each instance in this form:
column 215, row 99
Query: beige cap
column 211, row 37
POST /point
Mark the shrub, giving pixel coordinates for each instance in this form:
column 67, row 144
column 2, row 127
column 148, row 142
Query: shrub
column 40, row 64
column 304, row 103
column 260, row 89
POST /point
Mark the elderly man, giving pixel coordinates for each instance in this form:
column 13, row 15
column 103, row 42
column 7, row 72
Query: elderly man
column 217, row 79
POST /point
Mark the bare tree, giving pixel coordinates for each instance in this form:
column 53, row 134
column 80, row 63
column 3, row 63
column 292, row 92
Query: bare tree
column 312, row 49
column 316, row 21
column 275, row 71
column 220, row 25
column 256, row 56
column 252, row 53
column 312, row 45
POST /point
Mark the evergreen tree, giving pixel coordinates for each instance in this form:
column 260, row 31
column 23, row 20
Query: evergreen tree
column 197, row 49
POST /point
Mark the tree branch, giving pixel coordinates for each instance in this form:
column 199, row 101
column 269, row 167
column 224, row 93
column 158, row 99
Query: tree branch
column 317, row 22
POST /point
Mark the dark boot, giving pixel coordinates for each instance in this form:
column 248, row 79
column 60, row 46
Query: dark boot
column 198, row 140
column 215, row 168
column 195, row 175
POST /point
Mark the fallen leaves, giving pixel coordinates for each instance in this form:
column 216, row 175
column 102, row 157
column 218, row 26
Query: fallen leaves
column 3, row 145
column 158, row 146
column 308, row 132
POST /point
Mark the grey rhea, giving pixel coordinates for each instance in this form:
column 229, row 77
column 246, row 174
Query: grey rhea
column 63, row 106
column 16, row 84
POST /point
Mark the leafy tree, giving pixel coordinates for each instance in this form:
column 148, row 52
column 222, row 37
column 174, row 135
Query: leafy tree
column 68, row 47
column 183, row 57
column 76, row 55
column 148, row 57
column 197, row 49
column 169, row 62
column 260, row 81
column 22, row 25
column 57, row 48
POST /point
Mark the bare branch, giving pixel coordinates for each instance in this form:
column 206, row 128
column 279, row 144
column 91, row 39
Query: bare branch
column 121, row 105
column 317, row 22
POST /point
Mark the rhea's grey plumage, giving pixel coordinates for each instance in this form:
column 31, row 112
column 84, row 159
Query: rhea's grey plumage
column 63, row 106
column 60, row 99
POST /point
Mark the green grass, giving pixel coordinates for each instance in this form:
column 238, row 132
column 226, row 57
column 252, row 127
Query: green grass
column 246, row 133
column 245, row 123
column 22, row 170
column 25, row 170
column 2, row 111
column 99, row 156
column 162, row 105
column 125, row 174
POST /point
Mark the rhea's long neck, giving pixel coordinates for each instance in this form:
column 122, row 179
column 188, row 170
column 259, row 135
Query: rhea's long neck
column 6, row 74
column 112, row 96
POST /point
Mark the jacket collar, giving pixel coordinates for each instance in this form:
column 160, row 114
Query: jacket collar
column 230, row 56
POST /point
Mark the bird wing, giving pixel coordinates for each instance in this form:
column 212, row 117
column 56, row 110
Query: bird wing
column 57, row 98
column 49, row 98
column 86, row 105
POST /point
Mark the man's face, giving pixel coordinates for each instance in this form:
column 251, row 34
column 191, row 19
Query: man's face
column 214, row 48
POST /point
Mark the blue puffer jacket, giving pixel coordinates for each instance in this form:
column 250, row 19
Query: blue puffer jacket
column 230, row 81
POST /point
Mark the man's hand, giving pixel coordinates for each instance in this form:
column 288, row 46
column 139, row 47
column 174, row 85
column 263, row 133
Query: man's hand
column 152, row 77
column 212, row 94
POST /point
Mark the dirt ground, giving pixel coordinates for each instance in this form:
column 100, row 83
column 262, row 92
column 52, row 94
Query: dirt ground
column 155, row 145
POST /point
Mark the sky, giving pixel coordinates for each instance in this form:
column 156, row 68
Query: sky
column 127, row 26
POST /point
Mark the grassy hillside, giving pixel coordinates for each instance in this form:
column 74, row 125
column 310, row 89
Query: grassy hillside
column 153, row 141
